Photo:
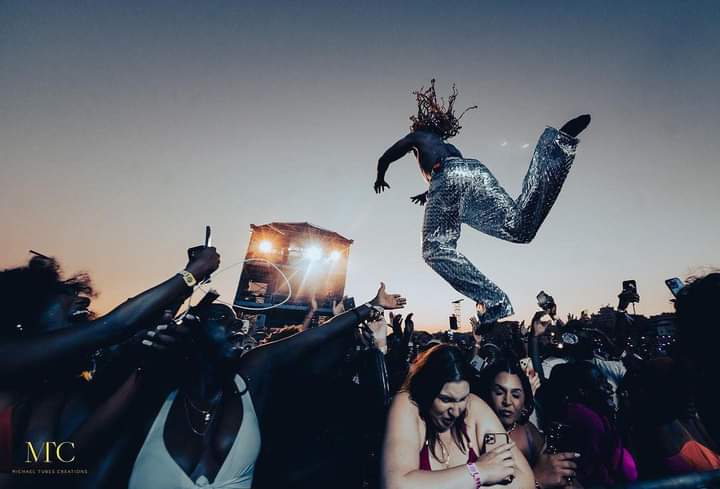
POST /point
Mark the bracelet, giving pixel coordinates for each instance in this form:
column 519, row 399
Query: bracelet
column 188, row 277
column 376, row 312
column 475, row 473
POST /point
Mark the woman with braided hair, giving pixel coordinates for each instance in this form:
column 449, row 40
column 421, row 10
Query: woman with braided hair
column 464, row 191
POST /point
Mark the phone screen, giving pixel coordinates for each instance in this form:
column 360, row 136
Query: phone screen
column 674, row 284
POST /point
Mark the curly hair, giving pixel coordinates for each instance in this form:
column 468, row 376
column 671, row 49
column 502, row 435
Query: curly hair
column 433, row 116
column 25, row 291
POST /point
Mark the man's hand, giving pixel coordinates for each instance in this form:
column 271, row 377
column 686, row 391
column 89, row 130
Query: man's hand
column 388, row 301
column 419, row 198
column 380, row 185
column 203, row 263
column 540, row 323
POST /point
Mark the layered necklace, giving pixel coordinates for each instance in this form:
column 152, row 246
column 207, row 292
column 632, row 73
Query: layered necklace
column 206, row 415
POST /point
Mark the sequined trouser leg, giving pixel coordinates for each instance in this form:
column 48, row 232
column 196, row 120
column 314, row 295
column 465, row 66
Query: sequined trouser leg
column 466, row 192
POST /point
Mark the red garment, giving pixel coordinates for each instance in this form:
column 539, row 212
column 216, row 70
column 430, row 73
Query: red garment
column 6, row 441
column 693, row 457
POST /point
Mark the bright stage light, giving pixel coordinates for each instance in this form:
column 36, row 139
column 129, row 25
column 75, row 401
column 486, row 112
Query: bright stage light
column 265, row 246
column 313, row 253
column 335, row 255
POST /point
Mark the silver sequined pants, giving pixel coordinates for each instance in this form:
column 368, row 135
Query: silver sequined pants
column 464, row 191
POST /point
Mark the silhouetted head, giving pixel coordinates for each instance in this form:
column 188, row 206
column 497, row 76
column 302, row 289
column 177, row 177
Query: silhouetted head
column 506, row 389
column 439, row 384
column 35, row 298
column 583, row 382
column 221, row 334
column 697, row 306
column 432, row 115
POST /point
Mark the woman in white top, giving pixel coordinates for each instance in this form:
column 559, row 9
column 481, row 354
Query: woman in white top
column 207, row 432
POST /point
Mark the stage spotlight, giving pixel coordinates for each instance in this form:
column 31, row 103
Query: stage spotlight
column 313, row 253
column 335, row 255
column 265, row 246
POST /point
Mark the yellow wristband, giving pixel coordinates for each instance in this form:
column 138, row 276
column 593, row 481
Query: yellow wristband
column 188, row 277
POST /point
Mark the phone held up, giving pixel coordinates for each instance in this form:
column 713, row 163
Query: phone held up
column 545, row 301
column 493, row 438
column 674, row 284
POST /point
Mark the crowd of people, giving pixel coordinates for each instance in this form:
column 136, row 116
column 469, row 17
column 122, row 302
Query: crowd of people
column 158, row 394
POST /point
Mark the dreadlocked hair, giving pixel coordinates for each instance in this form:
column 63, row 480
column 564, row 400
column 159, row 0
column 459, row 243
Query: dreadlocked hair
column 433, row 116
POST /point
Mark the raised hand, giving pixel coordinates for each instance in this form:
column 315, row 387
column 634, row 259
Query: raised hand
column 388, row 301
column 380, row 185
column 541, row 321
column 420, row 199
column 396, row 322
column 203, row 263
column 409, row 327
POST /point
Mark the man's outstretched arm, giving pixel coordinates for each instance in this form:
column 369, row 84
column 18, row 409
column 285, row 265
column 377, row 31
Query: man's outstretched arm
column 395, row 152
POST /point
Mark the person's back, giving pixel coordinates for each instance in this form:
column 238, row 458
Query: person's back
column 430, row 149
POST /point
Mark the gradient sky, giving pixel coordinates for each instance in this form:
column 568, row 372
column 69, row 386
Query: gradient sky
column 126, row 127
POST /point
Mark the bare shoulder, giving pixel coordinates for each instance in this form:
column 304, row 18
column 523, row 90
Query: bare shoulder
column 478, row 407
column 402, row 438
column 403, row 406
column 482, row 416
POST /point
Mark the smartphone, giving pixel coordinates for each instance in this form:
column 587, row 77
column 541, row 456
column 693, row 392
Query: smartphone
column 629, row 285
column 545, row 301
column 674, row 284
column 349, row 303
column 493, row 438
column 453, row 322
column 526, row 364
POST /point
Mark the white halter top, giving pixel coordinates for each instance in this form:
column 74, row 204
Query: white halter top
column 155, row 468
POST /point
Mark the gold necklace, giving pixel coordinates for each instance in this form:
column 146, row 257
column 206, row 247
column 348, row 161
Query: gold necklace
column 207, row 415
column 445, row 454
column 512, row 428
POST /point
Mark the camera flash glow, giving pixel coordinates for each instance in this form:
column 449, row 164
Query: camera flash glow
column 335, row 255
column 265, row 246
column 313, row 253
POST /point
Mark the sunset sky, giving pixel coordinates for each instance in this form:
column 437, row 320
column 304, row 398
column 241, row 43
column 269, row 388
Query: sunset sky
column 126, row 127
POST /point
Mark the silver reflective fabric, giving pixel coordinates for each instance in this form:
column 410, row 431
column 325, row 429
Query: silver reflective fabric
column 464, row 191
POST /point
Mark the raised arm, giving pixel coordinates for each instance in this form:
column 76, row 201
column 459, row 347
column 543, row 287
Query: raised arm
column 29, row 356
column 395, row 152
column 259, row 364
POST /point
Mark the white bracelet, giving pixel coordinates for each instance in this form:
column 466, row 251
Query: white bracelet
column 475, row 473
